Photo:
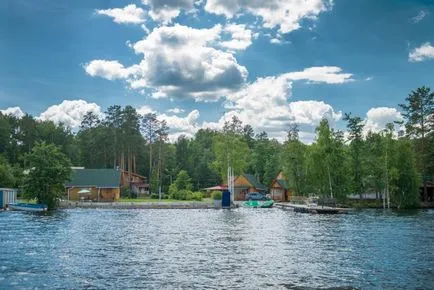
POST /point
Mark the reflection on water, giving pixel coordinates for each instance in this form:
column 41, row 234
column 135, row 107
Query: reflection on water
column 242, row 248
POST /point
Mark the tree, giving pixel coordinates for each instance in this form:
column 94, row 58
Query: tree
column 230, row 150
column 405, row 193
column 49, row 170
column 419, row 121
column 6, row 177
column 149, row 127
column 183, row 181
column 355, row 129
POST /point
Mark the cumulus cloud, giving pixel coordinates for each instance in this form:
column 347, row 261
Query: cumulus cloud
column 143, row 110
column 14, row 111
column 108, row 69
column 265, row 106
column 181, row 61
column 70, row 113
column 285, row 14
column 129, row 14
column 241, row 37
column 377, row 118
column 424, row 52
column 178, row 126
column 166, row 10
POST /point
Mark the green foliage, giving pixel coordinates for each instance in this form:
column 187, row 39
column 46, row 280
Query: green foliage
column 216, row 195
column 7, row 178
column 230, row 149
column 49, row 170
column 406, row 181
column 183, row 181
column 125, row 192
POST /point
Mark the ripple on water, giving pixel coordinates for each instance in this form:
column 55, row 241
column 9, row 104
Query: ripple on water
column 211, row 249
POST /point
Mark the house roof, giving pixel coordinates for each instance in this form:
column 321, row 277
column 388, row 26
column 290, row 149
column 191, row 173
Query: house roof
column 252, row 180
column 282, row 183
column 109, row 178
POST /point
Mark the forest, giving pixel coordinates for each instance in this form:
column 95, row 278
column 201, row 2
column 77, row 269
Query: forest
column 336, row 164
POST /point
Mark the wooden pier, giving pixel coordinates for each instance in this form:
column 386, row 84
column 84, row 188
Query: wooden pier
column 313, row 209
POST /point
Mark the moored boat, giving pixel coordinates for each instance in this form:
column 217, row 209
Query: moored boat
column 259, row 203
column 36, row 207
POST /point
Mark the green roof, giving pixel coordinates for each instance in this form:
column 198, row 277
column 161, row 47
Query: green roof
column 254, row 182
column 109, row 178
column 283, row 183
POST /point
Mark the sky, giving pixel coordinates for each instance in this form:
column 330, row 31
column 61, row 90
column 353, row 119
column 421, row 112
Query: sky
column 198, row 63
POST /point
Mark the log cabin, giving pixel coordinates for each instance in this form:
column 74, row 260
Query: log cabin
column 94, row 184
column 280, row 190
column 246, row 183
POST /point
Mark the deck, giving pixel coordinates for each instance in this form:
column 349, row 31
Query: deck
column 314, row 209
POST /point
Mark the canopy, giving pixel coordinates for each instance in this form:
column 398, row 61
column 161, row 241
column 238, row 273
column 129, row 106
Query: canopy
column 218, row 187
column 84, row 190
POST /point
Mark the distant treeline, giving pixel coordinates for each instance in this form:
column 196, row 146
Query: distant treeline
column 332, row 165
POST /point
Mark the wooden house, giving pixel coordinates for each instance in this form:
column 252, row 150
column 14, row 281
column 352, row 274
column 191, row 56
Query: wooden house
column 279, row 189
column 247, row 183
column 94, row 184
column 138, row 183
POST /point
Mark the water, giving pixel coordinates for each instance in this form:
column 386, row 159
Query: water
column 206, row 249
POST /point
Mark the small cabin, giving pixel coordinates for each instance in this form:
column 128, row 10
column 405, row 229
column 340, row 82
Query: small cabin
column 94, row 185
column 279, row 189
column 245, row 184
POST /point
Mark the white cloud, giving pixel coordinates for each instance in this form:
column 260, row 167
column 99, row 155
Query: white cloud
column 311, row 112
column 264, row 105
column 108, row 69
column 143, row 110
column 286, row 14
column 129, row 14
column 377, row 118
column 275, row 41
column 420, row 16
column 70, row 113
column 181, row 61
column 241, row 37
column 176, row 110
column 326, row 74
column 369, row 79
column 424, row 52
column 178, row 126
column 165, row 10
column 14, row 111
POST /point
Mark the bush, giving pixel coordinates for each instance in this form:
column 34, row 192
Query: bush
column 154, row 196
column 197, row 196
column 216, row 195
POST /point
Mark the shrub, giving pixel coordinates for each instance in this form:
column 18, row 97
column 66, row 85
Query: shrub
column 154, row 196
column 216, row 195
column 173, row 190
column 197, row 196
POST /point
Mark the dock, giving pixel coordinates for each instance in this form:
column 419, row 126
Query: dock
column 313, row 209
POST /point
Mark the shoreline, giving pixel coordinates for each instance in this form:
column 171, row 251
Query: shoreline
column 136, row 205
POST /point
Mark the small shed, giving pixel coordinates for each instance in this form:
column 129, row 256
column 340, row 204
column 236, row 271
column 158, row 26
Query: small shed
column 7, row 195
column 94, row 184
column 280, row 190
column 246, row 183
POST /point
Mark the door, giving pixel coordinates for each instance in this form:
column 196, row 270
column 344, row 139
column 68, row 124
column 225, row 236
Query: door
column 1, row 199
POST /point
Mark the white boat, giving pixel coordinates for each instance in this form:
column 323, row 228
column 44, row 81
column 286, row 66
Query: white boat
column 36, row 207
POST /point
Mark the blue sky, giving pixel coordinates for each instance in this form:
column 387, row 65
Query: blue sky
column 198, row 63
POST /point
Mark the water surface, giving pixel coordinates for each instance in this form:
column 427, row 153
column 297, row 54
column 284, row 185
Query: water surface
column 215, row 249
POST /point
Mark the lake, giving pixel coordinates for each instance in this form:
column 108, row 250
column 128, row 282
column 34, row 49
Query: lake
column 216, row 249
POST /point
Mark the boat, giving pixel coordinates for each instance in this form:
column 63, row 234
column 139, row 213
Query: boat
column 259, row 203
column 35, row 207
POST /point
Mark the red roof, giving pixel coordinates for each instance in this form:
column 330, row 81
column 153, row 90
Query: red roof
column 218, row 187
